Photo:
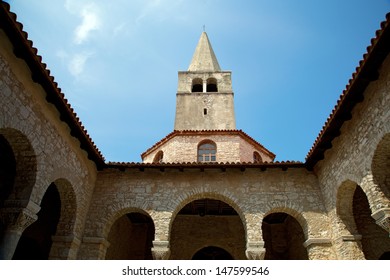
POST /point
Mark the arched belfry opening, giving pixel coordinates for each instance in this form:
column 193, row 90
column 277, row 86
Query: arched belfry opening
column 36, row 240
column 197, row 85
column 283, row 237
column 212, row 253
column 212, row 85
column 210, row 224
column 131, row 238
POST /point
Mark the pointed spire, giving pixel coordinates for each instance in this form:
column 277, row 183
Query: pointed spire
column 204, row 58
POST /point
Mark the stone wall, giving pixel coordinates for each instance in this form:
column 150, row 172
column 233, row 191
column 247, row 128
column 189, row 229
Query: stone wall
column 161, row 194
column 44, row 153
column 351, row 160
column 231, row 147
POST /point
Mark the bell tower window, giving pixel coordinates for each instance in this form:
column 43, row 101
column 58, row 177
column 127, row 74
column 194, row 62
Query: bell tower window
column 197, row 85
column 212, row 85
column 207, row 151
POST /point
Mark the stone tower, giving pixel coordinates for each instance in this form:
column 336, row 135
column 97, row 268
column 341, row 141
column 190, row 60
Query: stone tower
column 204, row 98
column 205, row 126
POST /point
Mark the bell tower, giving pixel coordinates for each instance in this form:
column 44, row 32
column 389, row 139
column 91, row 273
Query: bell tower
column 204, row 99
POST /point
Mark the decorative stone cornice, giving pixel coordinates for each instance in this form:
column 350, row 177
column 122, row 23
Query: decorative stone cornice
column 317, row 241
column 382, row 218
column 97, row 240
column 66, row 239
column 160, row 250
column 255, row 250
column 352, row 237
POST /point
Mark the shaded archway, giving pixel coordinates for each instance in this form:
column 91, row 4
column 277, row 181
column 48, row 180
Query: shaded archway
column 212, row 253
column 131, row 238
column 375, row 240
column 7, row 174
column 36, row 240
column 385, row 256
column 381, row 165
column 204, row 223
column 18, row 165
column 283, row 237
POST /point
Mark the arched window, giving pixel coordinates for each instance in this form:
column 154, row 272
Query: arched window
column 211, row 85
column 257, row 158
column 197, row 85
column 158, row 157
column 207, row 151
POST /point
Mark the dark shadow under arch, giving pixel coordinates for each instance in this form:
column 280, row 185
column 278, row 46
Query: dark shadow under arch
column 206, row 221
column 131, row 237
column 35, row 242
column 212, row 253
column 283, row 237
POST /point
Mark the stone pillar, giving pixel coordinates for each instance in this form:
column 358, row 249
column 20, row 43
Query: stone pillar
column 160, row 250
column 93, row 248
column 382, row 218
column 15, row 220
column 255, row 250
column 64, row 248
column 319, row 249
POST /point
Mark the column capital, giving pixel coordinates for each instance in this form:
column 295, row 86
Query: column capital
column 18, row 219
column 255, row 250
column 382, row 218
column 160, row 250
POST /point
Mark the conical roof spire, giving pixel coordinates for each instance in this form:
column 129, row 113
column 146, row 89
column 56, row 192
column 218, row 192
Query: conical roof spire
column 204, row 58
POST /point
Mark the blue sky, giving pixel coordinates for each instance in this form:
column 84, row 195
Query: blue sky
column 117, row 63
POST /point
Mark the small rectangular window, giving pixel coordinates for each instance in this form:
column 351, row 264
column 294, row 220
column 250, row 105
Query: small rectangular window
column 204, row 111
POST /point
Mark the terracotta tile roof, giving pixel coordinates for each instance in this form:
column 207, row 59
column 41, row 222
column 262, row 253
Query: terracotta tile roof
column 23, row 48
column 208, row 132
column 284, row 165
column 366, row 72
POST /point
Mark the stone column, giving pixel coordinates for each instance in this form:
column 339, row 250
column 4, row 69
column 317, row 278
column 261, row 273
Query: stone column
column 160, row 250
column 319, row 248
column 64, row 248
column 93, row 248
column 255, row 250
column 15, row 220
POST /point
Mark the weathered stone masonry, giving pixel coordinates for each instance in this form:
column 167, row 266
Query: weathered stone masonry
column 59, row 199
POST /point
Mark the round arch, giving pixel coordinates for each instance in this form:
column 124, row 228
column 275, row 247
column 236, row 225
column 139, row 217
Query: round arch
column 207, row 219
column 293, row 213
column 381, row 165
column 197, row 85
column 212, row 85
column 25, row 163
column 208, row 195
column 353, row 209
column 131, row 233
column 283, row 236
column 344, row 205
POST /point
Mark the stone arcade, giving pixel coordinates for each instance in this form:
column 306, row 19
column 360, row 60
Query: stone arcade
column 205, row 191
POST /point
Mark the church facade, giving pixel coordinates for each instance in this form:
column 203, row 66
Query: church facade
column 207, row 190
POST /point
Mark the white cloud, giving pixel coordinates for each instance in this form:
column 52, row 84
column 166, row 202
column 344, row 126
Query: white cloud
column 90, row 19
column 90, row 22
column 77, row 63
